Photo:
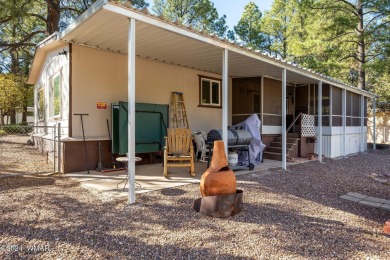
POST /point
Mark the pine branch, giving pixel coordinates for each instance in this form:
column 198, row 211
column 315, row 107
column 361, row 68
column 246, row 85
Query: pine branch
column 22, row 42
column 70, row 9
column 351, row 56
column 38, row 16
column 371, row 20
column 5, row 19
column 335, row 8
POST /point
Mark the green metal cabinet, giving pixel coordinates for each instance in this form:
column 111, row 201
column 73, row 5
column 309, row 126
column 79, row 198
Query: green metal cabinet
column 151, row 121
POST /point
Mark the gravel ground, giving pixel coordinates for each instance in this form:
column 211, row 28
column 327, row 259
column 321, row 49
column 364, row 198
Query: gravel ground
column 16, row 157
column 293, row 214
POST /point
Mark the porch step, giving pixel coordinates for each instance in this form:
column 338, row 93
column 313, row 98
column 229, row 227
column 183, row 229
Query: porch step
column 292, row 135
column 273, row 149
column 289, row 139
column 279, row 144
column 272, row 156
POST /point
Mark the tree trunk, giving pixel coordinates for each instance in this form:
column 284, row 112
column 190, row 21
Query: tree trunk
column 24, row 115
column 13, row 116
column 361, row 55
column 1, row 117
column 53, row 16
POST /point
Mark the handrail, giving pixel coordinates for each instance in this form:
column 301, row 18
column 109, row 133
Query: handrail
column 295, row 120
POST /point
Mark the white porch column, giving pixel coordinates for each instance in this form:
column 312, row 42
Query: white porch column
column 262, row 103
column 225, row 105
column 319, row 141
column 131, row 110
column 374, row 124
column 284, row 133
column 330, row 106
column 362, row 123
column 344, row 108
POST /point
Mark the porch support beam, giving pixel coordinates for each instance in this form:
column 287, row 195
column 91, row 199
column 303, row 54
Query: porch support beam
column 362, row 144
column 225, row 105
column 284, row 133
column 344, row 110
column 374, row 124
column 330, row 105
column 262, row 103
column 131, row 110
column 319, row 143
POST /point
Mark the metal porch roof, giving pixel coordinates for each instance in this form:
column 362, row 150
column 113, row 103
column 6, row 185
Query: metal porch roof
column 105, row 26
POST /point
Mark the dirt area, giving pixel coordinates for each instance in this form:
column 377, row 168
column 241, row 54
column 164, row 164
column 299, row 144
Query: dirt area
column 287, row 214
column 16, row 157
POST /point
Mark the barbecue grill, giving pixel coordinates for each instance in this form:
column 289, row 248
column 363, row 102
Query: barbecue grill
column 237, row 139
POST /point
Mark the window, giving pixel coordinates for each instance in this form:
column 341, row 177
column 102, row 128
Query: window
column 55, row 96
column 41, row 104
column 210, row 92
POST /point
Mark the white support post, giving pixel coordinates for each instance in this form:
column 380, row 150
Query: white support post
column 131, row 110
column 284, row 133
column 59, row 154
column 262, row 102
column 225, row 105
column 344, row 110
column 362, row 144
column 308, row 98
column 374, row 124
column 330, row 106
column 319, row 142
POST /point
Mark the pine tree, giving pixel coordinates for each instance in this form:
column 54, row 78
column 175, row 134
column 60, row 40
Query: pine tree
column 200, row 14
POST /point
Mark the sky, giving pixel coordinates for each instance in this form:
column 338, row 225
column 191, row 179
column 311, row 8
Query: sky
column 233, row 8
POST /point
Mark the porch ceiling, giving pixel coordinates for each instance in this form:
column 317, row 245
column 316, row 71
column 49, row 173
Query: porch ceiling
column 108, row 31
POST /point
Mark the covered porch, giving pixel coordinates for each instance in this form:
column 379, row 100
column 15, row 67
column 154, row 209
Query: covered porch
column 134, row 37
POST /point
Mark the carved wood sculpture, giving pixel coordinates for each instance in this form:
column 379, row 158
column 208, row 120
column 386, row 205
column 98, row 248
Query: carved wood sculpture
column 218, row 179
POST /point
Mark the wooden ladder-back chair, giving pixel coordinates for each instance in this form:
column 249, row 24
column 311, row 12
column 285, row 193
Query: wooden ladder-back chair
column 178, row 150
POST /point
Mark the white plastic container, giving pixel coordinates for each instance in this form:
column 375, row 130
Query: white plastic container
column 232, row 158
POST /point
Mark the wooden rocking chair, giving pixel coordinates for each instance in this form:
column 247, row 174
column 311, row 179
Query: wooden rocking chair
column 178, row 150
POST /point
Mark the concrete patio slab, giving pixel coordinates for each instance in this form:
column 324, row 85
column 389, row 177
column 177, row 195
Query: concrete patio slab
column 149, row 177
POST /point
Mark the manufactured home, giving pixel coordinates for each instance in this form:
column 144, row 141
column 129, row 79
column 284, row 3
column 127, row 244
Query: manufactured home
column 115, row 53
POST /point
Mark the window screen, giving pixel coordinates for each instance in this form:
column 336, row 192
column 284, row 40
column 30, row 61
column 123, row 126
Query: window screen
column 337, row 110
column 272, row 97
column 349, row 103
column 313, row 99
column 272, row 102
column 301, row 99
